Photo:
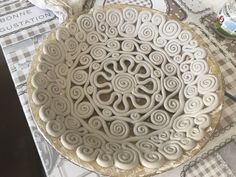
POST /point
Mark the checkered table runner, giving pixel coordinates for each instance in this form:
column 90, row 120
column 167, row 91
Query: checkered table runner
column 18, row 63
column 9, row 7
column 26, row 34
column 5, row 3
column 144, row 3
column 212, row 166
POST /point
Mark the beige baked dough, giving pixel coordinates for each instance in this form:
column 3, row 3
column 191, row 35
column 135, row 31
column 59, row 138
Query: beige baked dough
column 125, row 90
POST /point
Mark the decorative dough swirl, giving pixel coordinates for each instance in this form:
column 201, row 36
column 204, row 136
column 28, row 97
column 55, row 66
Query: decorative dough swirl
column 130, row 15
column 188, row 77
column 190, row 91
column 195, row 133
column 125, row 159
column 61, row 69
column 171, row 83
column 140, row 130
column 46, row 113
column 207, row 83
column 71, row 123
column 105, row 160
column 40, row 80
column 71, row 139
column 147, row 31
column 152, row 159
column 157, row 57
column 71, row 44
column 54, row 89
column 86, row 153
column 170, row 29
column 93, row 140
column 60, row 105
column 62, row 34
column 79, row 77
column 54, row 52
column 72, row 28
column 83, row 110
column 160, row 118
column 158, row 19
column 202, row 120
column 193, row 105
column 119, row 129
column 86, row 22
column 85, row 60
column 146, row 145
column 98, row 53
column 171, row 150
column 172, row 48
column 77, row 93
column 199, row 67
column 145, row 16
column 95, row 122
column 183, row 123
column 185, row 36
column 41, row 97
column 55, row 128
column 159, row 41
column 113, row 17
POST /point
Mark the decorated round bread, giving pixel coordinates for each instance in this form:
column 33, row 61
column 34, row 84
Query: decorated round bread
column 124, row 90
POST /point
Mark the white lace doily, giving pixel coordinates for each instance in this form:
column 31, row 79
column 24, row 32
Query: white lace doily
column 124, row 88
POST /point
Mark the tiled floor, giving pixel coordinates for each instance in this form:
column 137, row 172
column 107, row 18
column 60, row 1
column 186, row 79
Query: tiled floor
column 18, row 154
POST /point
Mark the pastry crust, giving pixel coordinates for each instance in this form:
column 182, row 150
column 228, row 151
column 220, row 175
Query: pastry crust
column 125, row 91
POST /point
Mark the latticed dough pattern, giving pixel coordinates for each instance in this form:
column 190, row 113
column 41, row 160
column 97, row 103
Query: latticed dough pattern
column 125, row 87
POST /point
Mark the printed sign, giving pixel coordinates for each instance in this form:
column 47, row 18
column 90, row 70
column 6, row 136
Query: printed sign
column 23, row 19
